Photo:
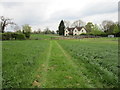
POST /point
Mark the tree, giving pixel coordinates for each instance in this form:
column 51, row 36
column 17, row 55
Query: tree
column 47, row 31
column 26, row 30
column 96, row 30
column 67, row 23
column 116, row 29
column 39, row 30
column 89, row 27
column 17, row 28
column 57, row 31
column 52, row 32
column 78, row 23
column 108, row 26
column 4, row 22
column 61, row 28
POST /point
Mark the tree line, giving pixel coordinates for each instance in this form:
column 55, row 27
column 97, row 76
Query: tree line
column 19, row 34
column 107, row 27
column 45, row 31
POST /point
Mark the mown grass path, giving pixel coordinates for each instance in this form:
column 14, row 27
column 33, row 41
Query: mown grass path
column 45, row 65
column 59, row 70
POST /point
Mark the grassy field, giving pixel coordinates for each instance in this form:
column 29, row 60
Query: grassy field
column 85, row 63
column 43, row 36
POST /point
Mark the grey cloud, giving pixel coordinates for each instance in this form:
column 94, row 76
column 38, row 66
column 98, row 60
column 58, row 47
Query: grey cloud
column 35, row 13
column 88, row 10
column 100, row 8
column 65, row 15
column 11, row 4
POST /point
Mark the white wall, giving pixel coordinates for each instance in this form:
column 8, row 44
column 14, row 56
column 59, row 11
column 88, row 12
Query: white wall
column 66, row 32
column 75, row 32
column 82, row 31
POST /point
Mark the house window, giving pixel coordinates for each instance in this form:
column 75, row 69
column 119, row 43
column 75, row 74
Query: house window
column 75, row 34
column 66, row 31
column 82, row 30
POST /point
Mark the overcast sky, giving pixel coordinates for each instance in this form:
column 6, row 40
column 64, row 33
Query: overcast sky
column 49, row 13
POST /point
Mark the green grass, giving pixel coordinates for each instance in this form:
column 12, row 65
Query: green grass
column 21, row 59
column 85, row 63
column 97, row 59
column 0, row 65
column 43, row 36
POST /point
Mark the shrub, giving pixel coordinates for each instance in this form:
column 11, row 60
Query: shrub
column 0, row 36
column 118, row 34
column 104, row 35
column 20, row 36
column 27, row 34
column 14, row 35
column 6, row 36
column 9, row 36
column 83, row 34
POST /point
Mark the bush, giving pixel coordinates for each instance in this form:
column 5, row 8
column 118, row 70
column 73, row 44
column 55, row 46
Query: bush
column 83, row 34
column 14, row 35
column 118, row 34
column 27, row 34
column 6, row 36
column 20, row 36
column 0, row 36
column 103, row 35
column 10, row 36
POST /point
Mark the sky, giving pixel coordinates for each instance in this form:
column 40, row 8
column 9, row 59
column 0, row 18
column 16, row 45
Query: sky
column 49, row 13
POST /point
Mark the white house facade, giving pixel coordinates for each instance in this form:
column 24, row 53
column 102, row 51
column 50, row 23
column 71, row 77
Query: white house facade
column 74, row 31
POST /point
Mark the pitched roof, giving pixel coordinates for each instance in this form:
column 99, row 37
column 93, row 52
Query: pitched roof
column 69, row 29
column 78, row 28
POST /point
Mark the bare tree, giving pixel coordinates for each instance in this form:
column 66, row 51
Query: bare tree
column 78, row 23
column 106, row 24
column 4, row 22
column 67, row 23
column 39, row 30
column 17, row 28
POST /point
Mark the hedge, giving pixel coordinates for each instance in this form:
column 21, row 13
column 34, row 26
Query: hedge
column 13, row 36
column 20, row 36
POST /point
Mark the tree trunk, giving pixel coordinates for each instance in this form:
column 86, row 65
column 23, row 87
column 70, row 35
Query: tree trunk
column 3, row 27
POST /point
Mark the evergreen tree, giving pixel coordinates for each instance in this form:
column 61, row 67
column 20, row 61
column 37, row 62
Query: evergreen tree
column 61, row 28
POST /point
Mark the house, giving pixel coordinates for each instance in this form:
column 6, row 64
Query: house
column 74, row 31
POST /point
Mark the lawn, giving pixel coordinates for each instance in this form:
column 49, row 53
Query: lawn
column 84, row 63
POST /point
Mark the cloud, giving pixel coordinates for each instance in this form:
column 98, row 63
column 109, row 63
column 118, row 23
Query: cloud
column 100, row 8
column 10, row 4
column 48, row 13
column 98, row 18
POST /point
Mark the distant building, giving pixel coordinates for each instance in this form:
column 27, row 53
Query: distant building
column 111, row 36
column 74, row 31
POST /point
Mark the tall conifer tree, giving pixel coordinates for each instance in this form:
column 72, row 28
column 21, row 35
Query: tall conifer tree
column 61, row 28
